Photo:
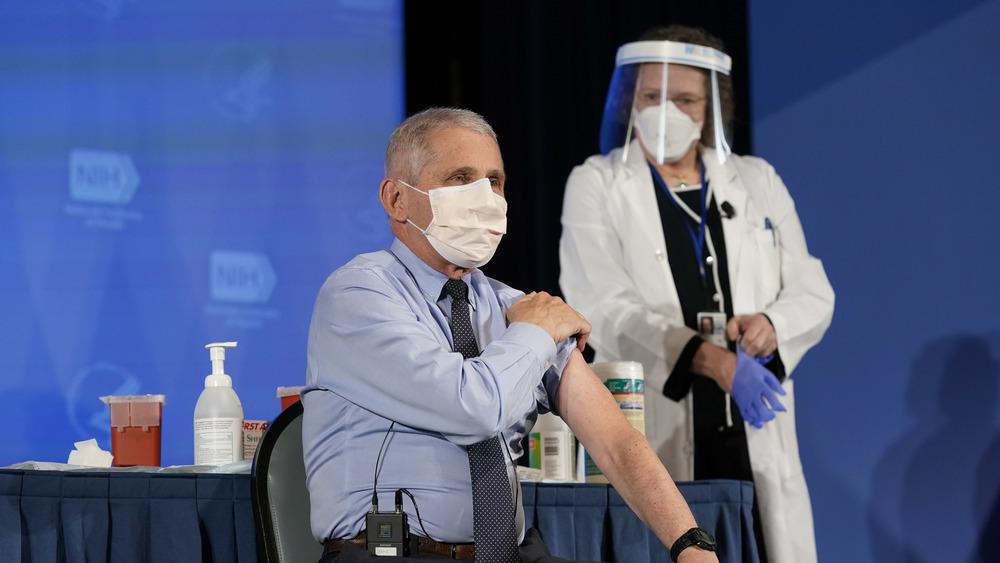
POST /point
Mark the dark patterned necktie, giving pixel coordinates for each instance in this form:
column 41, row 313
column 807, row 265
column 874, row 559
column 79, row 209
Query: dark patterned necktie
column 492, row 506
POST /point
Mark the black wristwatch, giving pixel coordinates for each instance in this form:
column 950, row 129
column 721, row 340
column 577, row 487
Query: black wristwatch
column 697, row 537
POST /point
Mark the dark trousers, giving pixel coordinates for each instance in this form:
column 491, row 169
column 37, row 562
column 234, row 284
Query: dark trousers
column 531, row 550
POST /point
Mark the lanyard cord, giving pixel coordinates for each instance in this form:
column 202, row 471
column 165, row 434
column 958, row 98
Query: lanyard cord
column 698, row 240
column 703, row 235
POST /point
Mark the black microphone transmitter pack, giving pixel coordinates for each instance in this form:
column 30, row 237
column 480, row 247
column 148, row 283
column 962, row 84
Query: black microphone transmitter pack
column 388, row 534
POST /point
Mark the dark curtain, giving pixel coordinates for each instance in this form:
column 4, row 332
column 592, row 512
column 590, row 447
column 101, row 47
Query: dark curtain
column 538, row 71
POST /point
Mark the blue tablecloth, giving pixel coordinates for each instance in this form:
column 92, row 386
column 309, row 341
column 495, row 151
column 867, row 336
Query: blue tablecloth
column 109, row 516
column 592, row 522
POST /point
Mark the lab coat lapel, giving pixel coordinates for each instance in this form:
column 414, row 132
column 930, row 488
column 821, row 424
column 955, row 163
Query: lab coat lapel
column 728, row 186
column 643, row 202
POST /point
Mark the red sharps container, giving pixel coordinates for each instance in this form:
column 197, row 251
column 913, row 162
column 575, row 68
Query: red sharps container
column 135, row 429
column 289, row 395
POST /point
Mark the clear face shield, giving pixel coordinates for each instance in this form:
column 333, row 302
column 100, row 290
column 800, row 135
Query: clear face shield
column 666, row 94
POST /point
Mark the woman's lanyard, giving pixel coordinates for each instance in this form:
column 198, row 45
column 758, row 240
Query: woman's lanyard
column 697, row 239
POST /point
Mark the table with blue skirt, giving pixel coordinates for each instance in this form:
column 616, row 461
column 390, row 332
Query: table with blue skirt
column 119, row 516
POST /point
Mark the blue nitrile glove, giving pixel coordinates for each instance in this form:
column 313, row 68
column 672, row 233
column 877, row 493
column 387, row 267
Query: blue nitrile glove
column 752, row 384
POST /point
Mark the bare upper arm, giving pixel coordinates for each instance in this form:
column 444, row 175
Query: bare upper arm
column 589, row 409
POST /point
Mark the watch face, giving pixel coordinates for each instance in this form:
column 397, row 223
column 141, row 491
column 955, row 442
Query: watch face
column 703, row 539
column 705, row 544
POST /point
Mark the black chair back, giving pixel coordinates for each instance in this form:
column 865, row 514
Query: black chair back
column 279, row 496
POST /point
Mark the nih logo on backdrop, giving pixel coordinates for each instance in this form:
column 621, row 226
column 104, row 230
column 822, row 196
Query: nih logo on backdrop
column 241, row 277
column 101, row 185
column 240, row 285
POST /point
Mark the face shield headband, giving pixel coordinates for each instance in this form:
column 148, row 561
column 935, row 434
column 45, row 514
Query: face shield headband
column 620, row 109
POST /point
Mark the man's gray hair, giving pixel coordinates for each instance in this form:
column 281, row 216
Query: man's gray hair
column 409, row 151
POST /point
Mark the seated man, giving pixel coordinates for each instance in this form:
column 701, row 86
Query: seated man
column 407, row 391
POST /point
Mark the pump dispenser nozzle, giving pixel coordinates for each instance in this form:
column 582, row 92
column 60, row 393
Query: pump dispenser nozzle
column 217, row 353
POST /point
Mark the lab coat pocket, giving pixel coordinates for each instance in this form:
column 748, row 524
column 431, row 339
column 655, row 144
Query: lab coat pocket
column 774, row 449
column 768, row 265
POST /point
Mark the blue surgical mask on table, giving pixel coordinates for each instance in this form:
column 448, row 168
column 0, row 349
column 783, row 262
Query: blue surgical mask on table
column 467, row 224
column 666, row 131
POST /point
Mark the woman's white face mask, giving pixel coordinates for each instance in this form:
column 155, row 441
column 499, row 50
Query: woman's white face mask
column 467, row 224
column 666, row 132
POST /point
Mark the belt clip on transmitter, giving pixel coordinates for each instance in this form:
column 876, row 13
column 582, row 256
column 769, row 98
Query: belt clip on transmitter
column 388, row 534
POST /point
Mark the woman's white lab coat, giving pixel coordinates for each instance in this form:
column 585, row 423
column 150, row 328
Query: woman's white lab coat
column 614, row 270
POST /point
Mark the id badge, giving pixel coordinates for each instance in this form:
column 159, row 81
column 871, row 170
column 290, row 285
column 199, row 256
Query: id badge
column 712, row 327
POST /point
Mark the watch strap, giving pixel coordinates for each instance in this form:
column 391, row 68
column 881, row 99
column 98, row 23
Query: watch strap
column 698, row 537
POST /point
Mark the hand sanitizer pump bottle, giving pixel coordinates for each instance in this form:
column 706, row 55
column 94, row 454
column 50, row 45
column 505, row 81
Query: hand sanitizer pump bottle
column 218, row 416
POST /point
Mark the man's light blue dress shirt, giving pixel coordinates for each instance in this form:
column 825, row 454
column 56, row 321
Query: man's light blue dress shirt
column 380, row 351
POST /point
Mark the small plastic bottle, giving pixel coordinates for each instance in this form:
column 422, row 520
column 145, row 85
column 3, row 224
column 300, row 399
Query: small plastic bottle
column 553, row 448
column 218, row 415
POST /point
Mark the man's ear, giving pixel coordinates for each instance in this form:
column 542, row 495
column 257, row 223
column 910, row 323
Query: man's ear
column 392, row 198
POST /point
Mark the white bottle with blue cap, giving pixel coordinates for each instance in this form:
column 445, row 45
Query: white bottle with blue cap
column 218, row 415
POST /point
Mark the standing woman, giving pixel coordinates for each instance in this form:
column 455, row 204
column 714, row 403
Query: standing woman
column 666, row 234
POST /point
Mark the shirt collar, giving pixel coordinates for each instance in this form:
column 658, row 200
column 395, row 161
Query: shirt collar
column 429, row 280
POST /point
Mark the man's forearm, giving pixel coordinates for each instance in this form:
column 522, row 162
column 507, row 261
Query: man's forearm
column 642, row 480
column 622, row 453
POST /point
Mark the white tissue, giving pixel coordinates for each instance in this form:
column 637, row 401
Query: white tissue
column 90, row 454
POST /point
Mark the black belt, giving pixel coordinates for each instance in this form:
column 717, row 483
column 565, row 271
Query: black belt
column 424, row 545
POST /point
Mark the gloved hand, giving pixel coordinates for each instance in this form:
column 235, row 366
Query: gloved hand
column 754, row 389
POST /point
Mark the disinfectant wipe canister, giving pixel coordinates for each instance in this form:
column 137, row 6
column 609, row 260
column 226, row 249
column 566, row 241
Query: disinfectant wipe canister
column 553, row 448
column 625, row 381
column 218, row 415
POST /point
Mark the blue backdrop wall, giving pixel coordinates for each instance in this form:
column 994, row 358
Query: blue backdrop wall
column 882, row 120
column 177, row 173
column 174, row 174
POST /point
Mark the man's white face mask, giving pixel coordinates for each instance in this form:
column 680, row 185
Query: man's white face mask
column 666, row 132
column 467, row 224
